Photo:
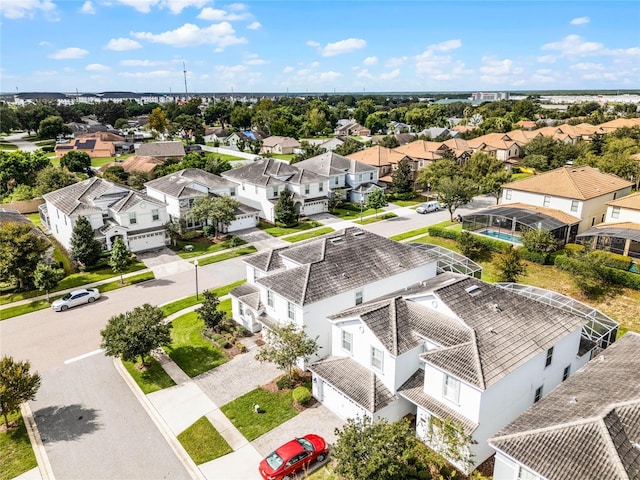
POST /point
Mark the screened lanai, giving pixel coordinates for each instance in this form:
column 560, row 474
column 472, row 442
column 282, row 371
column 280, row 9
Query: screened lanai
column 622, row 238
column 506, row 222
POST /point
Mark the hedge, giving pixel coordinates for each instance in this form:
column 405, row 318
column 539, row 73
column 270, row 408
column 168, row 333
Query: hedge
column 444, row 233
column 536, row 257
column 486, row 243
column 613, row 260
column 610, row 275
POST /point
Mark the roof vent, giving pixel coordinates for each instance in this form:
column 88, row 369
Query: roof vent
column 573, row 399
column 496, row 308
column 357, row 233
column 344, row 275
column 337, row 240
column 473, row 290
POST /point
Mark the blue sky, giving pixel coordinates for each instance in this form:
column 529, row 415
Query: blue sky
column 318, row 46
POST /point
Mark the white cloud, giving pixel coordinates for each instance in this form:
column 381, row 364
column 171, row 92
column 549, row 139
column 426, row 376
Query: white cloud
column 97, row 67
column 363, row 73
column 338, row 48
column 254, row 26
column 395, row 61
column 370, row 61
column 174, row 6
column 88, row 8
column 142, row 63
column 311, row 43
column 45, row 73
column 547, row 59
column 498, row 71
column 323, row 77
column 390, row 75
column 221, row 35
column 25, row 8
column 219, row 15
column 586, row 66
column 44, row 43
column 154, row 74
column 254, row 59
column 580, row 21
column 69, row 53
column 574, row 45
column 122, row 44
column 288, row 69
column 433, row 65
column 445, row 46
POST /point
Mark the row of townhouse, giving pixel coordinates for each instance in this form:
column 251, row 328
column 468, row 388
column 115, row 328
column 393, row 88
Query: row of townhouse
column 397, row 339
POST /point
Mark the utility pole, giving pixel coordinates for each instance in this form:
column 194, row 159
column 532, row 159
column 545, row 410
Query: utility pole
column 186, row 92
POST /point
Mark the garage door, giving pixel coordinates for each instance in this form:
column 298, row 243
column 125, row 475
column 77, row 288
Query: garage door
column 242, row 222
column 312, row 208
column 339, row 404
column 147, row 241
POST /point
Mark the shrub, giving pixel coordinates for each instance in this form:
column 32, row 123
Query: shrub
column 284, row 382
column 612, row 260
column 470, row 245
column 240, row 346
column 444, row 233
column 191, row 234
column 301, row 395
column 572, row 249
column 536, row 257
column 209, row 230
column 622, row 278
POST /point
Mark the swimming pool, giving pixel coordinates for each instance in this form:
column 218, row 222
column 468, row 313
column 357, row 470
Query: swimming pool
column 501, row 236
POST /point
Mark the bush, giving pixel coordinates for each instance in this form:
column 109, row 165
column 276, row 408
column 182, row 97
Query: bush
column 622, row 278
column 613, row 260
column 301, row 395
column 240, row 346
column 191, row 234
column 444, row 233
column 572, row 249
column 208, row 230
column 535, row 257
column 48, row 148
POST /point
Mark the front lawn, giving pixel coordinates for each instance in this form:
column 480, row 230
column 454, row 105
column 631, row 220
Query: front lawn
column 173, row 307
column 276, row 408
column 203, row 442
column 227, row 255
column 287, row 157
column 383, row 216
column 16, row 454
column 276, row 231
column 306, row 235
column 152, row 379
column 4, row 146
column 349, row 211
column 193, row 353
column 101, row 161
column 202, row 245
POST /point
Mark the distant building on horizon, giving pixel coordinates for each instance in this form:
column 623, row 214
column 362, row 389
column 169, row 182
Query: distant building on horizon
column 489, row 96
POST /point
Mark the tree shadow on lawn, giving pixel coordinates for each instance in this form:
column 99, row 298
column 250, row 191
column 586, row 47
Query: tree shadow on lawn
column 67, row 422
column 196, row 360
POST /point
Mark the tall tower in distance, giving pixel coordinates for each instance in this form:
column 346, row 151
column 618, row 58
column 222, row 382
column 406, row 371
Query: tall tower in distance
column 186, row 91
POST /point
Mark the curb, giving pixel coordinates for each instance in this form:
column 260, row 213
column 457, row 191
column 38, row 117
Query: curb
column 189, row 465
column 46, row 472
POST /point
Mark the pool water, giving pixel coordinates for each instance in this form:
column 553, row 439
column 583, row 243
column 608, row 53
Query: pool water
column 502, row 236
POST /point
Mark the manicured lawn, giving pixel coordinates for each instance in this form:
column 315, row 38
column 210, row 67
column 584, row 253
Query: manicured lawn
column 275, row 231
column 351, row 210
column 410, row 233
column 202, row 246
column 154, row 378
column 46, row 143
column 16, row 454
column 277, row 408
column 306, row 235
column 381, row 216
column 173, row 307
column 519, row 176
column 100, row 161
column 203, row 442
column 409, row 203
column 227, row 255
column 143, row 277
column 8, row 146
column 34, row 217
column 193, row 353
column 225, row 306
column 281, row 156
column 224, row 156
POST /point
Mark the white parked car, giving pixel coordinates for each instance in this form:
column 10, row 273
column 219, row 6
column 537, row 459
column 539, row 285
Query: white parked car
column 428, row 207
column 75, row 298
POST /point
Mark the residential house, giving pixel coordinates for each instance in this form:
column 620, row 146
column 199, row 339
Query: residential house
column 331, row 144
column 352, row 128
column 401, row 138
column 212, row 135
column 581, row 192
column 435, row 132
column 499, row 145
column 394, row 127
column 613, row 125
column 180, row 189
column 355, row 179
column 99, row 144
column 382, row 158
column 162, row 150
column 588, row 427
column 448, row 348
column 136, row 163
column 113, row 210
column 247, row 137
column 260, row 183
column 279, row 145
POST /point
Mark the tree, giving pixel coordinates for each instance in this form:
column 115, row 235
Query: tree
column 17, row 385
column 469, row 245
column 119, row 258
column 402, row 178
column 218, row 212
column 430, row 176
column 376, row 200
column 309, row 150
column 336, row 199
column 20, row 167
column 389, row 141
column 349, row 146
column 174, row 231
column 109, row 112
column 52, row 126
column 284, row 210
column 32, row 114
column 20, row 252
column 285, row 346
column 53, row 178
column 46, row 277
column 510, row 266
column 492, row 183
column 116, row 173
column 76, row 161
column 538, row 240
column 137, row 179
column 448, row 438
column 158, row 120
column 209, row 312
column 134, row 335
column 9, row 119
column 84, row 246
column 455, row 192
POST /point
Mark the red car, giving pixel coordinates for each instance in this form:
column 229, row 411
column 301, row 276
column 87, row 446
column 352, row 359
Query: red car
column 293, row 457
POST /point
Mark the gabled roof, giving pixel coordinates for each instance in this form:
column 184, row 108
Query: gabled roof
column 179, row 183
column 131, row 200
column 305, row 176
column 499, row 141
column 277, row 140
column 631, row 202
column 162, row 149
column 141, row 163
column 421, row 149
column 377, row 156
column 265, row 172
column 589, row 426
column 330, row 163
column 580, row 183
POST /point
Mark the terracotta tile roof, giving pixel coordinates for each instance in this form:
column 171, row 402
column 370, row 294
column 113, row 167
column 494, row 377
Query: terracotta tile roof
column 421, row 149
column 377, row 156
column 629, row 225
column 620, row 123
column 551, row 212
column 141, row 163
column 523, row 137
column 580, row 183
column 632, row 202
column 589, row 426
column 500, row 141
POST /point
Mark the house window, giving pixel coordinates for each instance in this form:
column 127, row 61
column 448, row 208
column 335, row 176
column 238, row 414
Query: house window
column 615, row 213
column 602, row 218
column 549, row 357
column 451, row 388
column 359, row 178
column 538, row 394
column 370, row 175
column 566, row 372
column 270, row 298
column 547, row 201
column 241, row 308
column 336, row 180
column 307, row 189
column 232, row 191
column 574, row 205
column 524, row 474
column 275, row 191
column 347, row 341
column 291, row 309
column 359, row 296
column 376, row 358
column 615, row 194
column 321, row 187
column 155, row 214
column 593, row 221
column 132, row 218
column 507, row 194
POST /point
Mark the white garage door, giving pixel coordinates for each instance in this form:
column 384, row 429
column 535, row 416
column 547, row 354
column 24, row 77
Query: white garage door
column 312, row 208
column 147, row 241
column 243, row 221
column 339, row 404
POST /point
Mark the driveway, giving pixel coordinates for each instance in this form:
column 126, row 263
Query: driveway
column 164, row 262
column 17, row 140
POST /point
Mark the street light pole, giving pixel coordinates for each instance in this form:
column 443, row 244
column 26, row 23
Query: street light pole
column 195, row 263
column 361, row 205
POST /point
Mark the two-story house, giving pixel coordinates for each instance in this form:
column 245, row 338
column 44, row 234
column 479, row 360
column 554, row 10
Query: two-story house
column 449, row 348
column 180, row 189
column 356, row 179
column 260, row 183
column 113, row 211
column 587, row 428
column 383, row 159
column 280, row 145
column 499, row 145
column 162, row 150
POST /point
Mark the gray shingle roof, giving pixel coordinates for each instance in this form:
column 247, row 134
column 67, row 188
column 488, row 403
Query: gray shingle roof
column 263, row 172
column 161, row 149
column 340, row 262
column 248, row 294
column 587, row 426
column 355, row 381
column 78, row 198
column 177, row 184
column 132, row 199
column 266, row 261
column 331, row 163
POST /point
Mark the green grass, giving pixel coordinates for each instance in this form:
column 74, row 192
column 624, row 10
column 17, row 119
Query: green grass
column 306, row 235
column 46, row 143
column 100, row 161
column 275, row 231
column 349, row 211
column 8, row 146
column 34, row 217
column 277, row 408
column 203, row 442
column 227, row 255
column 382, row 216
column 519, row 176
column 409, row 203
column 173, row 307
column 284, row 156
column 151, row 380
column 16, row 454
column 142, row 277
column 231, row 158
column 323, row 473
column 202, row 246
column 410, row 233
column 193, row 353
column 225, row 306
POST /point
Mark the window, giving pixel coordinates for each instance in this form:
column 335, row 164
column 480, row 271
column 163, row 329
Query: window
column 232, row 191
column 615, row 213
column 371, row 176
column 593, row 221
column 241, row 308
column 347, row 341
column 321, row 187
column 132, row 218
column 602, row 218
column 336, row 180
column 549, row 357
column 507, row 194
column 538, row 394
column 524, row 474
column 270, row 298
column 376, row 358
column 359, row 296
column 615, row 194
column 451, row 388
column 359, row 178
column 275, row 191
column 574, row 205
column 307, row 189
column 155, row 214
column 291, row 308
column 566, row 372
column 547, row 201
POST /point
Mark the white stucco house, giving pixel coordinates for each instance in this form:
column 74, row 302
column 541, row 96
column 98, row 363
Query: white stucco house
column 280, row 145
column 180, row 189
column 113, row 210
